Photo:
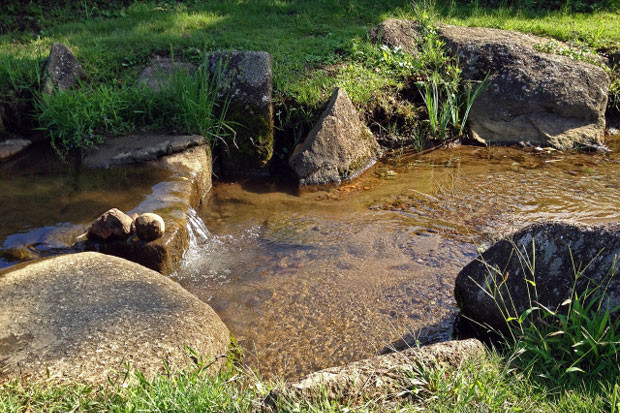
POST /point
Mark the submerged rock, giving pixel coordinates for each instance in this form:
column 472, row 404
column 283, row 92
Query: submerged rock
column 558, row 249
column 246, row 79
column 386, row 377
column 158, row 74
column 112, row 225
column 149, row 227
column 532, row 97
column 84, row 317
column 339, row 147
column 12, row 147
column 62, row 70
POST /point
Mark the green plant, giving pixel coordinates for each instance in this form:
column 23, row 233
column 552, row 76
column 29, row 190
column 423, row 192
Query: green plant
column 82, row 118
column 577, row 341
column 448, row 99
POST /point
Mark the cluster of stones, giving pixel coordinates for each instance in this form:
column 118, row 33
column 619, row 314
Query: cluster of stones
column 115, row 225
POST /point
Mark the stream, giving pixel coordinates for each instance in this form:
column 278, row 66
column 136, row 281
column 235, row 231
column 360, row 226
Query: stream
column 319, row 277
column 312, row 279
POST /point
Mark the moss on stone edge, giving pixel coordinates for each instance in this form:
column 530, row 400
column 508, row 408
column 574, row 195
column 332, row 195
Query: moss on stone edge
column 251, row 147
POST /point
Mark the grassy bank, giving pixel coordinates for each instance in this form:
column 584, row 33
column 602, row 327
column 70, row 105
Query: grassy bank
column 316, row 46
column 485, row 384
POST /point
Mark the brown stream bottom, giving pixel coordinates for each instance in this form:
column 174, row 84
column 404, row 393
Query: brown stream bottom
column 320, row 278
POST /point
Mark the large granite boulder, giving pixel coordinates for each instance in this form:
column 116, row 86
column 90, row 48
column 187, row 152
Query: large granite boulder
column 339, row 147
column 245, row 79
column 543, row 254
column 532, row 97
column 62, row 69
column 381, row 378
column 83, row 317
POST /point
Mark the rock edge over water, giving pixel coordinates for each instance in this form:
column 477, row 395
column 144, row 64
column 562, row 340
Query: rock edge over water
column 593, row 248
column 532, row 98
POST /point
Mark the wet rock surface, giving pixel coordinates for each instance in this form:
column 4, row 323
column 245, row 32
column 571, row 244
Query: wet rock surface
column 556, row 247
column 12, row 147
column 532, row 97
column 62, row 70
column 173, row 200
column 387, row 377
column 125, row 150
column 112, row 225
column 246, row 79
column 157, row 75
column 82, row 317
column 339, row 147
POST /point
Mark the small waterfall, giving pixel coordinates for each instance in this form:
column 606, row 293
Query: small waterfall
column 196, row 229
column 198, row 235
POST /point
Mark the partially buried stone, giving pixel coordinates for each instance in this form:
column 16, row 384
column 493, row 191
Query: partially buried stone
column 149, row 227
column 112, row 225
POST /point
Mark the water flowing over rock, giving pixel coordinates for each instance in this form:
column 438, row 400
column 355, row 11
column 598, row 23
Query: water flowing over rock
column 339, row 147
column 551, row 249
column 111, row 225
column 532, row 97
column 83, row 317
column 173, row 200
column 387, row 377
column 246, row 79
column 62, row 70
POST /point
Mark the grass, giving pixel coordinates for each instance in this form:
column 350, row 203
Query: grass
column 81, row 118
column 316, row 46
column 484, row 384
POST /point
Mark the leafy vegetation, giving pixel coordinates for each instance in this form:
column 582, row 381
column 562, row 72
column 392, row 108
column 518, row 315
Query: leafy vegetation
column 316, row 46
column 81, row 118
column 575, row 344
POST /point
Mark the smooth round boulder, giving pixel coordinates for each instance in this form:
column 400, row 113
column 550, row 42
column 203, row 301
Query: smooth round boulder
column 86, row 317
column 112, row 225
column 149, row 227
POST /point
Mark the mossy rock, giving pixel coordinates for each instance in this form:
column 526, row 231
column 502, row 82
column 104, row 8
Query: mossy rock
column 246, row 80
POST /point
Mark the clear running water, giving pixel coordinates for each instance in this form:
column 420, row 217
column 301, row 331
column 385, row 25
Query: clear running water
column 314, row 279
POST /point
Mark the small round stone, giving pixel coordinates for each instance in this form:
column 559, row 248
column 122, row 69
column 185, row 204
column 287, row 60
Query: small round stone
column 149, row 226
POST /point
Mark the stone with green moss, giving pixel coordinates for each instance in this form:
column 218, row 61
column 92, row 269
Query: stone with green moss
column 246, row 80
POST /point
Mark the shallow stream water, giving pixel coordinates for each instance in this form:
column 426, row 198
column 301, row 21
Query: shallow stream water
column 308, row 280
column 319, row 278
column 45, row 202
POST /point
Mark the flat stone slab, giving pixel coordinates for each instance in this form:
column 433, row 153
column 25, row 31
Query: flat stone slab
column 386, row 377
column 84, row 317
column 11, row 147
column 131, row 149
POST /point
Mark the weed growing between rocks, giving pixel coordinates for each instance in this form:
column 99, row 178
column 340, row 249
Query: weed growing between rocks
column 82, row 118
column 447, row 97
column 575, row 344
